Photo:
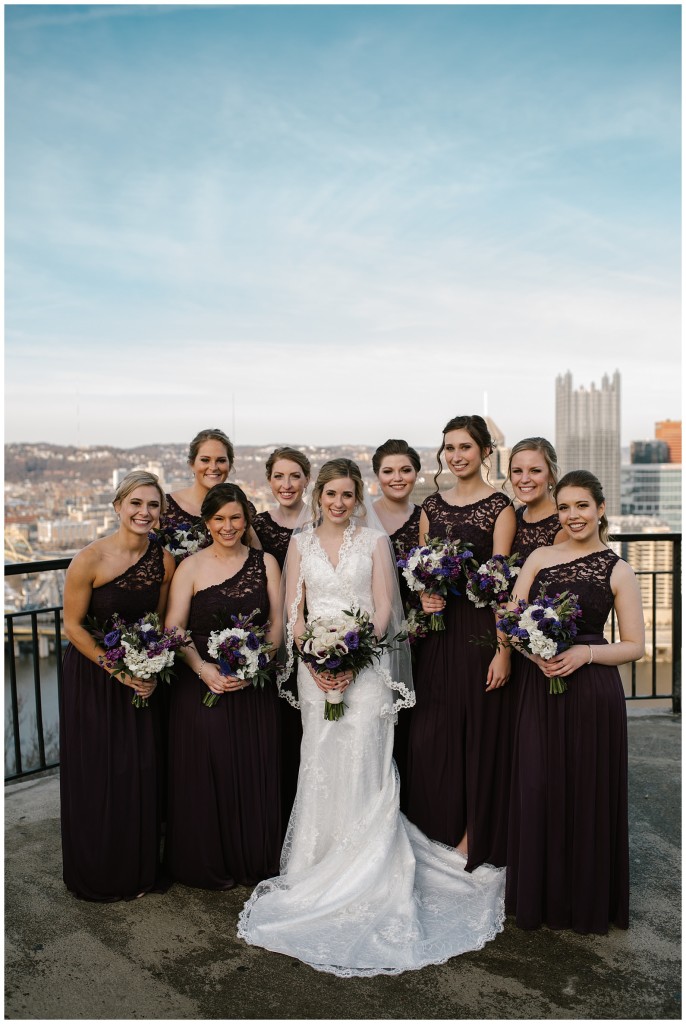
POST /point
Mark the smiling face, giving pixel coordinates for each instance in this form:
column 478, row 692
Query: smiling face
column 579, row 513
column 338, row 500
column 530, row 476
column 227, row 525
column 287, row 482
column 211, row 465
column 139, row 511
column 462, row 453
column 397, row 477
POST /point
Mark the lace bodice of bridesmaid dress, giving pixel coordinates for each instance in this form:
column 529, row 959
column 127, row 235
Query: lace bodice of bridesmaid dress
column 530, row 536
column 132, row 594
column 473, row 524
column 241, row 594
column 273, row 537
column 589, row 578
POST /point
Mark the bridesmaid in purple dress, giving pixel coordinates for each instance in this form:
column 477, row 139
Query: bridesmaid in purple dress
column 210, row 457
column 458, row 763
column 396, row 466
column 224, row 807
column 532, row 472
column 288, row 473
column 568, row 846
column 109, row 749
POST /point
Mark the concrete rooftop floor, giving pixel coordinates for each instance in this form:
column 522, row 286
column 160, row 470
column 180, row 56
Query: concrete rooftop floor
column 176, row 956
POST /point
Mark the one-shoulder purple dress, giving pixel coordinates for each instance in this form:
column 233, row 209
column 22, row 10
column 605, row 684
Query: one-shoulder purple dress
column 459, row 747
column 110, row 757
column 568, row 848
column 224, row 820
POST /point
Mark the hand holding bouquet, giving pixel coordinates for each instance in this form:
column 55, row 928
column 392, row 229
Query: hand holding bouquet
column 435, row 567
column 490, row 585
column 242, row 650
column 142, row 649
column 342, row 643
column 546, row 627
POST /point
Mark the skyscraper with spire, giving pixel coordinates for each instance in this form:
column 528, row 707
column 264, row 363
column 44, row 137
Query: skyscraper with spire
column 587, row 432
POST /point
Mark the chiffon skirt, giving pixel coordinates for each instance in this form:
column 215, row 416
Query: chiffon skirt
column 568, row 848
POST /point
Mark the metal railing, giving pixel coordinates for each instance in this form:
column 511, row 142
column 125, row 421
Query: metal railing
column 44, row 628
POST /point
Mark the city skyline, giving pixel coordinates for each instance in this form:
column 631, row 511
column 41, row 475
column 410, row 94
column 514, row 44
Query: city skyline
column 334, row 224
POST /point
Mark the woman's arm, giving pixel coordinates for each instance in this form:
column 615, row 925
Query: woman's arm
column 275, row 630
column 504, row 531
column 169, row 569
column 424, row 527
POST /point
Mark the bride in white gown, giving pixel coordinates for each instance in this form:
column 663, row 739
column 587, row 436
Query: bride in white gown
column 361, row 890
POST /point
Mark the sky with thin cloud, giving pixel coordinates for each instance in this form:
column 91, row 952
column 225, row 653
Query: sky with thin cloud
column 334, row 224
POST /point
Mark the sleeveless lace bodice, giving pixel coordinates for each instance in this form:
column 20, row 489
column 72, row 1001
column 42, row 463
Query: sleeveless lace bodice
column 589, row 578
column 530, row 536
column 407, row 536
column 132, row 594
column 273, row 537
column 239, row 595
column 329, row 589
column 473, row 524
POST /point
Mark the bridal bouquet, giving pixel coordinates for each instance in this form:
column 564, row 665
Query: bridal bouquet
column 182, row 540
column 142, row 648
column 546, row 626
column 436, row 567
column 341, row 643
column 242, row 650
column 417, row 625
column 490, row 585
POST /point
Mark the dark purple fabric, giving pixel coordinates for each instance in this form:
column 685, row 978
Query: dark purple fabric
column 110, row 758
column 273, row 538
column 568, row 847
column 530, row 536
column 459, row 745
column 224, row 802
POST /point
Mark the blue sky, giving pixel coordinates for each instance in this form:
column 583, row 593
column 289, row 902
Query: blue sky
column 321, row 224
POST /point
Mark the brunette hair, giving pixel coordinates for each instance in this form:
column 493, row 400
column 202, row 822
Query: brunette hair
column 335, row 470
column 583, row 478
column 211, row 434
column 394, row 446
column 477, row 430
column 140, row 478
column 222, row 494
column 536, row 444
column 293, row 455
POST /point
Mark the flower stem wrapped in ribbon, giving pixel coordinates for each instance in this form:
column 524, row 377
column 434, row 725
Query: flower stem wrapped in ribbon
column 341, row 643
column 489, row 585
column 141, row 649
column 436, row 567
column 241, row 650
column 546, row 626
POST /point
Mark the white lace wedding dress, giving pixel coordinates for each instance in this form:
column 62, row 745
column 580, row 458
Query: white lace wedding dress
column 361, row 890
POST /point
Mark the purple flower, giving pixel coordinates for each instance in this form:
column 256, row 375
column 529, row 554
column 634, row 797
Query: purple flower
column 252, row 642
column 112, row 638
column 352, row 640
column 262, row 660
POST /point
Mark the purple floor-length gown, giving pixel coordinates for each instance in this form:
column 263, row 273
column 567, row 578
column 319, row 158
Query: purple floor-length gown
column 223, row 826
column 459, row 747
column 110, row 757
column 275, row 540
column 568, row 848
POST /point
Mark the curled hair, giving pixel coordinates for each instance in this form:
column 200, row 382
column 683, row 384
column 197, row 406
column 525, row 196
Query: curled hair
column 477, row 430
column 336, row 469
column 293, row 455
column 588, row 482
column 394, row 446
column 211, row 434
column 140, row 478
column 536, row 444
column 222, row 494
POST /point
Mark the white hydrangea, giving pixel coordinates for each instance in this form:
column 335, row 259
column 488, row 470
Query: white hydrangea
column 140, row 665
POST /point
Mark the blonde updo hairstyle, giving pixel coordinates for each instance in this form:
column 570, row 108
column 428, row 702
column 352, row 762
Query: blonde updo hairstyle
column 544, row 448
column 139, row 478
column 337, row 469
column 293, row 455
column 586, row 480
column 211, row 434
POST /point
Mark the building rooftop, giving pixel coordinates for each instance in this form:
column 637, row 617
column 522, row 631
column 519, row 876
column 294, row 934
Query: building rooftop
column 176, row 956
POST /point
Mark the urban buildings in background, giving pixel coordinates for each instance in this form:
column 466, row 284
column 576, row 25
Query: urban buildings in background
column 588, row 432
